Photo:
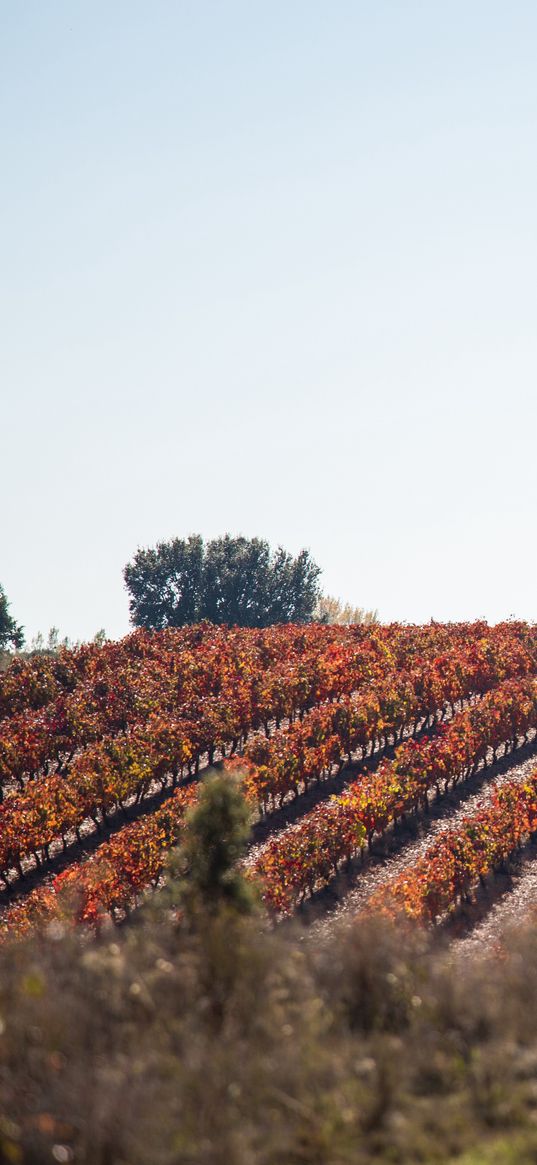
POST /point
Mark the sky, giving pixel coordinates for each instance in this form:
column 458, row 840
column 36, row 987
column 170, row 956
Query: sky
column 269, row 269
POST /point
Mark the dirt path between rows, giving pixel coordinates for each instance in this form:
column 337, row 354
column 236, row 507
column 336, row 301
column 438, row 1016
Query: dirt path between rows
column 506, row 901
column 399, row 848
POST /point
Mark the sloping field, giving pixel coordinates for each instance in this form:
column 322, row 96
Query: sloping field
column 361, row 749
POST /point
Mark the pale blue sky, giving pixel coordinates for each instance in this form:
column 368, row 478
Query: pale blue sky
column 270, row 268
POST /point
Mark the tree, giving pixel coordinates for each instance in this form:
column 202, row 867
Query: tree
column 55, row 642
column 216, row 834
column 49, row 646
column 235, row 580
column 228, row 580
column 331, row 610
column 217, row 903
column 165, row 584
column 293, row 587
column 10, row 632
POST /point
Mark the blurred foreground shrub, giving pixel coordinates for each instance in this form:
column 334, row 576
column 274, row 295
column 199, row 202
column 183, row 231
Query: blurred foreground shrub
column 199, row 1035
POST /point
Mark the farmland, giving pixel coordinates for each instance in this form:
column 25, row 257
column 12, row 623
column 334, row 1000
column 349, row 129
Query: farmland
column 344, row 739
column 251, row 892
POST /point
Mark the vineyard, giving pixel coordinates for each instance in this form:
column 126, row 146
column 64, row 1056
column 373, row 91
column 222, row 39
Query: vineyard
column 342, row 737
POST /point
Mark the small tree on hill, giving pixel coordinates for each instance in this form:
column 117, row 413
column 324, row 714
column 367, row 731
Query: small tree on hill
column 331, row 610
column 11, row 635
column 228, row 580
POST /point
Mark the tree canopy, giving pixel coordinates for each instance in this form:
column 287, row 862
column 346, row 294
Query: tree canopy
column 11, row 635
column 228, row 580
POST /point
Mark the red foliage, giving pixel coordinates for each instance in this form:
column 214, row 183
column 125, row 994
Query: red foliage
column 456, row 859
column 95, row 728
column 302, row 857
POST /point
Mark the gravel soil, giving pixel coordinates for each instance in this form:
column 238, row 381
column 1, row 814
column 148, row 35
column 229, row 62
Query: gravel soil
column 348, row 893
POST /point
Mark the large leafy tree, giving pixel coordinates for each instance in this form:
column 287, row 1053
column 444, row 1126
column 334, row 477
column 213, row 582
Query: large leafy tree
column 229, row 580
column 165, row 583
column 11, row 635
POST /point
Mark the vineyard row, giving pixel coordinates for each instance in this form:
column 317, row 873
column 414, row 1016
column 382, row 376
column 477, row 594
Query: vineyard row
column 112, row 773
column 305, row 855
column 452, row 865
column 308, row 855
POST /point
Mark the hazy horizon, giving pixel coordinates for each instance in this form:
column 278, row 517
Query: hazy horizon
column 270, row 270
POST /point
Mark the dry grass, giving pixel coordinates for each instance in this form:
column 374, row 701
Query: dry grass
column 214, row 1040
column 225, row 1043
